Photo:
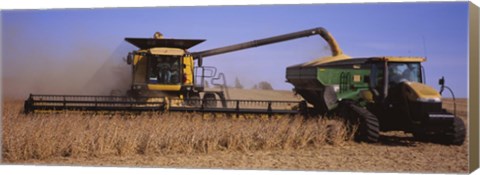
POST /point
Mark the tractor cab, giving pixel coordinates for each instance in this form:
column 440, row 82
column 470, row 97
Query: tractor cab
column 389, row 73
column 402, row 100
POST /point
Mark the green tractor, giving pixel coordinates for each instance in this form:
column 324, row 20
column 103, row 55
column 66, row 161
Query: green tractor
column 379, row 94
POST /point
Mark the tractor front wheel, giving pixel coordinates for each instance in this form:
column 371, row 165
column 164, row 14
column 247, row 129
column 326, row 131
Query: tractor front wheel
column 453, row 134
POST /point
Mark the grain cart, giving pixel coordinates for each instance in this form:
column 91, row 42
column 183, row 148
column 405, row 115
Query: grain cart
column 381, row 93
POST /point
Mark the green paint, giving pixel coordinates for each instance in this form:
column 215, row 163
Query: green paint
column 348, row 88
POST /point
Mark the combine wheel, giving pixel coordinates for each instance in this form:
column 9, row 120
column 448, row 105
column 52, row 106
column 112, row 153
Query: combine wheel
column 209, row 100
column 368, row 129
column 194, row 100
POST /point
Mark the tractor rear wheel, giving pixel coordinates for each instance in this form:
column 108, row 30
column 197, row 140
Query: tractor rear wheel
column 369, row 128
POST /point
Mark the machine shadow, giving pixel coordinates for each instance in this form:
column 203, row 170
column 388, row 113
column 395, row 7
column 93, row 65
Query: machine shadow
column 407, row 141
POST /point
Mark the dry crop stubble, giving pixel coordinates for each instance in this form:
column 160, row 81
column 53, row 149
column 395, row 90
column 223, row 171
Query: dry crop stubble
column 216, row 141
column 83, row 135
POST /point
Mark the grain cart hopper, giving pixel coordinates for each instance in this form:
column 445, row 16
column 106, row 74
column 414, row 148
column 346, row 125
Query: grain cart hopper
column 381, row 93
column 164, row 77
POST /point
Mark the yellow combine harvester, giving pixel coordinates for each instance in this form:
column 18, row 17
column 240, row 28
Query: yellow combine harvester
column 164, row 76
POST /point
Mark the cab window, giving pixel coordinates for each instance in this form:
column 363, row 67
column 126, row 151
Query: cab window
column 400, row 72
column 164, row 69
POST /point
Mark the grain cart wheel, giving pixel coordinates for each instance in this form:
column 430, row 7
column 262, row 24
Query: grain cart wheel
column 368, row 129
column 455, row 134
column 209, row 100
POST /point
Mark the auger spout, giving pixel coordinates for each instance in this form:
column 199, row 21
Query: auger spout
column 334, row 47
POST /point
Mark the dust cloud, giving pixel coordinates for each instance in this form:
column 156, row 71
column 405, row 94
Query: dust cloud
column 88, row 70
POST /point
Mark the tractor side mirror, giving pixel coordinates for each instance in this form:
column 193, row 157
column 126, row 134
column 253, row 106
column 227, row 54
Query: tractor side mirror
column 129, row 58
column 441, row 81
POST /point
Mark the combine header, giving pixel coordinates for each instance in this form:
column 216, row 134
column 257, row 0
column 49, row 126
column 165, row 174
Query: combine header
column 125, row 103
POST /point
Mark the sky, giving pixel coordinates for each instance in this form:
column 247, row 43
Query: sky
column 82, row 50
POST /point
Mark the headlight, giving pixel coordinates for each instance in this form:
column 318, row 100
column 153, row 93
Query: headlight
column 429, row 99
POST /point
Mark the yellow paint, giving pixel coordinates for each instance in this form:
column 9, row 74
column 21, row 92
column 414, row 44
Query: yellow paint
column 414, row 90
column 167, row 105
column 401, row 59
column 366, row 95
column 188, row 70
column 137, row 58
column 356, row 78
column 163, row 87
column 405, row 59
column 156, row 99
column 166, row 51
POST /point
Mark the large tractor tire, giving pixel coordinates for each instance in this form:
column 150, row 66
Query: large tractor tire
column 453, row 135
column 209, row 100
column 368, row 124
column 456, row 133
column 369, row 128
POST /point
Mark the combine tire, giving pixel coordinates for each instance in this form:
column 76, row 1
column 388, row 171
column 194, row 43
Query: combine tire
column 209, row 100
column 194, row 100
column 368, row 129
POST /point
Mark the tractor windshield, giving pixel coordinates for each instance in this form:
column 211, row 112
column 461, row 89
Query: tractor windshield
column 164, row 69
column 399, row 72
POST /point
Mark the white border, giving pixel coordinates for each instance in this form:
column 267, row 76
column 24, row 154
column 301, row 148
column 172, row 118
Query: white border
column 55, row 4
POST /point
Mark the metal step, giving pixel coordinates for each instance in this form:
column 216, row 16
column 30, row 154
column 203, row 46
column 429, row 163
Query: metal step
column 123, row 103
